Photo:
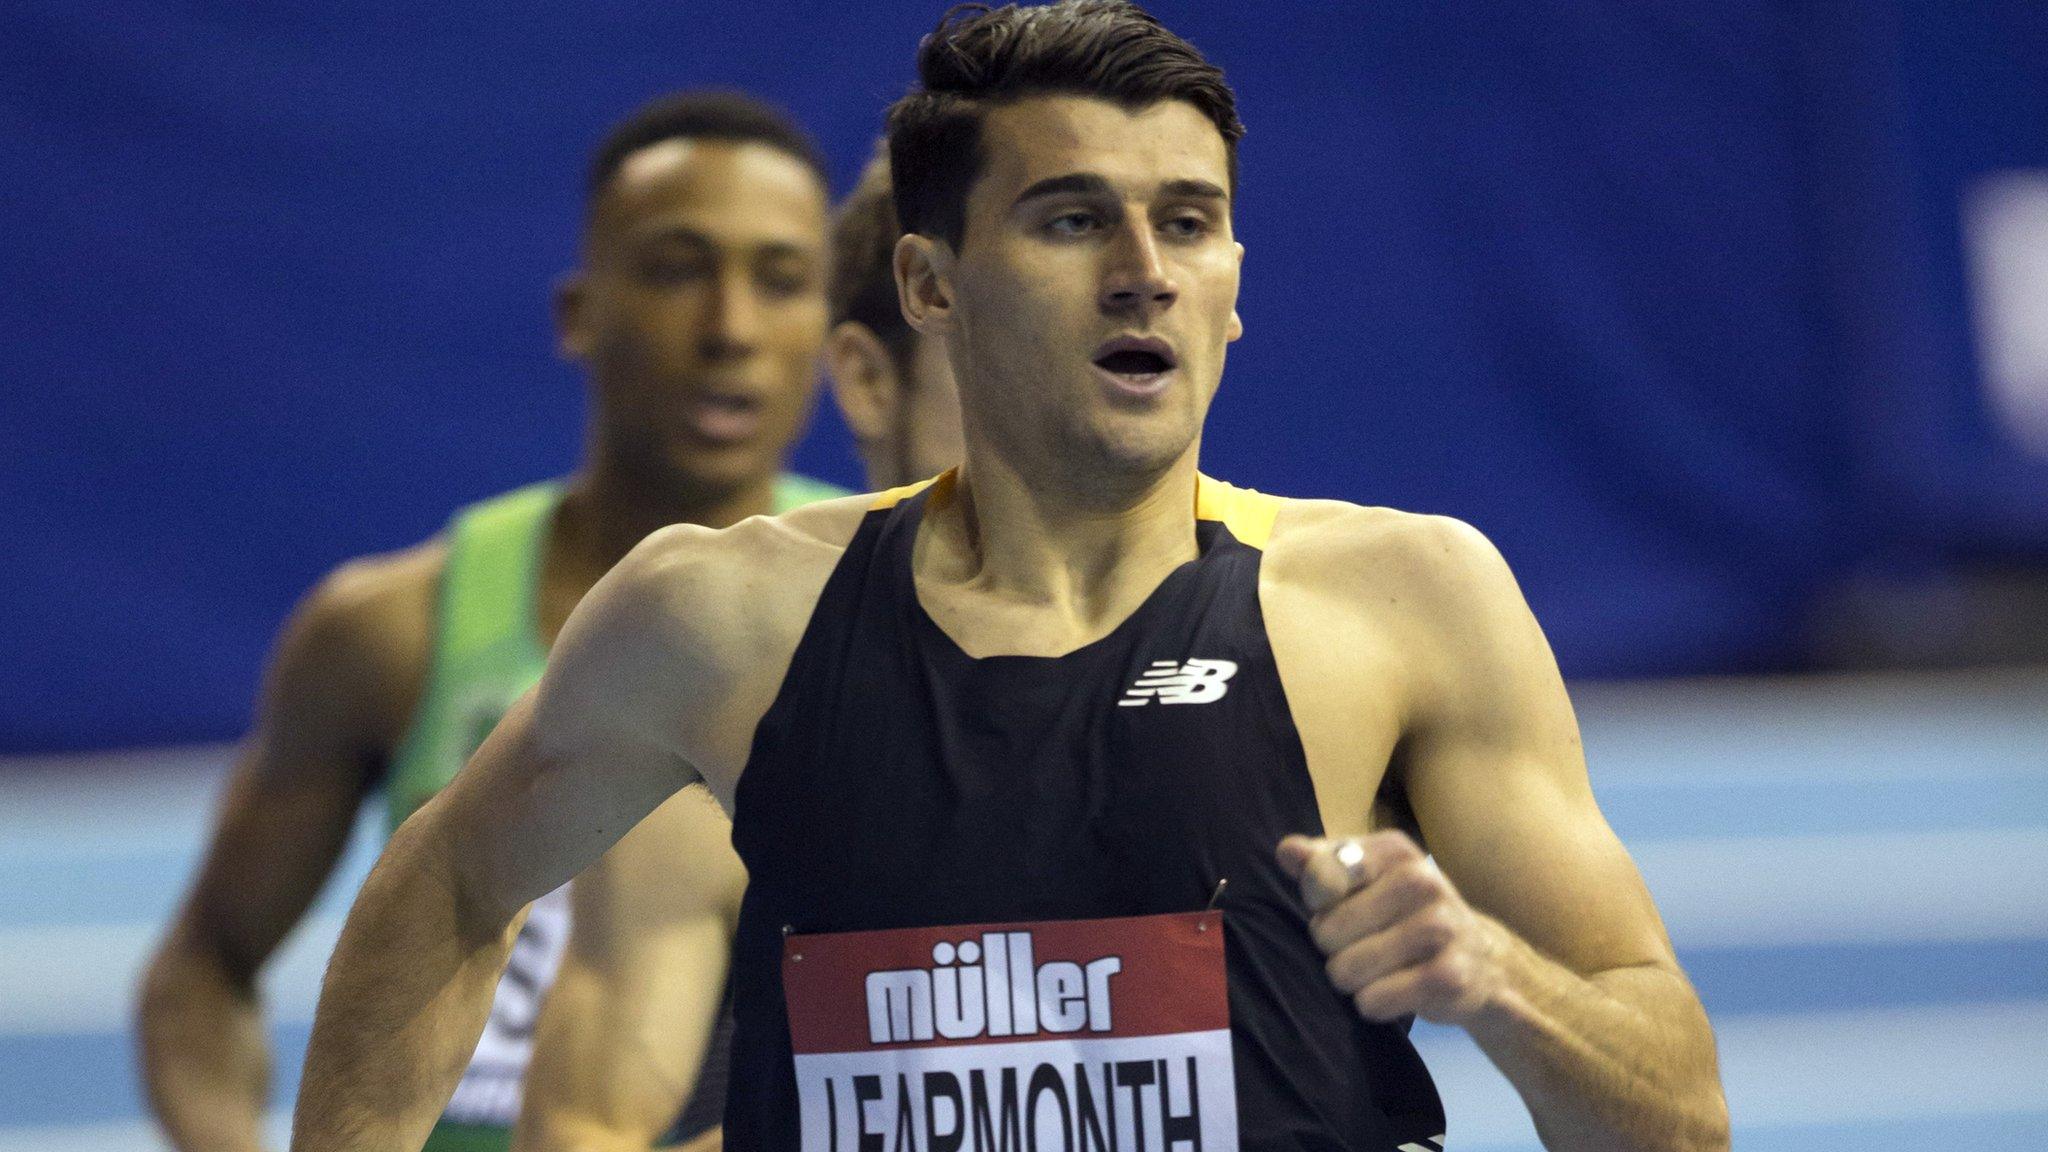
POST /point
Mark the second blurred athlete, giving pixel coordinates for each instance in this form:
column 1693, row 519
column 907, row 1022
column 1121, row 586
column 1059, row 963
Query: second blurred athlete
column 698, row 312
column 622, row 1041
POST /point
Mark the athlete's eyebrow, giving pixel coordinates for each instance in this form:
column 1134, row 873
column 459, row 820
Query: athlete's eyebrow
column 673, row 234
column 773, row 247
column 1089, row 184
column 1194, row 189
column 784, row 250
column 1081, row 183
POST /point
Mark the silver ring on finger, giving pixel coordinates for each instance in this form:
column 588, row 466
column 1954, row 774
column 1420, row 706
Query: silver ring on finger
column 1351, row 854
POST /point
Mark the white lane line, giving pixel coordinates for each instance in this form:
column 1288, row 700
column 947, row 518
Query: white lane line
column 1780, row 1071
column 82, row 807
column 1855, row 888
column 117, row 1136
column 1805, row 1069
column 1845, row 728
column 1888, row 1064
column 1903, row 887
column 82, row 979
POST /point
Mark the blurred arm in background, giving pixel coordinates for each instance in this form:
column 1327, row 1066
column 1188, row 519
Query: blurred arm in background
column 624, row 1032
column 336, row 699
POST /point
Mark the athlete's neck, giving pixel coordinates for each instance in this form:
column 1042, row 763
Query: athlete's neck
column 604, row 513
column 1084, row 560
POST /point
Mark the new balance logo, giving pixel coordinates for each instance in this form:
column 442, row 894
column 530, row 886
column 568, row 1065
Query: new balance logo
column 1194, row 682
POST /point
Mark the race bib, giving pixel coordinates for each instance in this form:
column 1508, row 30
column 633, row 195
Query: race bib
column 1073, row 1035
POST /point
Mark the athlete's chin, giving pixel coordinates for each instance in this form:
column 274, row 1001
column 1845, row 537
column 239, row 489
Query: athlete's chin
column 1140, row 447
column 699, row 472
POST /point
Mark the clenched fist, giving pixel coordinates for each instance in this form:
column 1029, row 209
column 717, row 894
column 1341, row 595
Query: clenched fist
column 1398, row 936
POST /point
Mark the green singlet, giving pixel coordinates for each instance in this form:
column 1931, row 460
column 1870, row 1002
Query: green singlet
column 487, row 651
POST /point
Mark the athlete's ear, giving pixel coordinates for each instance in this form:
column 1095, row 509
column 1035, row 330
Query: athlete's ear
column 864, row 381
column 924, row 283
column 572, row 321
column 1236, row 329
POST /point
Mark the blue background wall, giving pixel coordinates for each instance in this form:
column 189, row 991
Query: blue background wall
column 1667, row 299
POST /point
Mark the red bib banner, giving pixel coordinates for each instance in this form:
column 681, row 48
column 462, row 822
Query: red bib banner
column 1075, row 1035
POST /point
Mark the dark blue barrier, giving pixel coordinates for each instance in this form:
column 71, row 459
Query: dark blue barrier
column 1664, row 298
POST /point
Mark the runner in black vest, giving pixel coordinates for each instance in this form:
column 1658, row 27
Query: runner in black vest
column 992, row 807
column 1150, row 771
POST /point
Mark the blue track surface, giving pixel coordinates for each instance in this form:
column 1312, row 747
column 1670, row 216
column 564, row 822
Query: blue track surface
column 1856, row 875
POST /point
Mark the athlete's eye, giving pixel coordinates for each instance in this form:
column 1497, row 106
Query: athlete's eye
column 1074, row 223
column 676, row 268
column 1186, row 227
column 782, row 281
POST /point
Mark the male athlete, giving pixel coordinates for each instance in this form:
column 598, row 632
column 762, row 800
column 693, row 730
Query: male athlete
column 1067, row 785
column 619, row 1044
column 698, row 312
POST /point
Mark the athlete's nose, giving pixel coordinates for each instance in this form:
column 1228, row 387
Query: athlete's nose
column 732, row 321
column 1137, row 278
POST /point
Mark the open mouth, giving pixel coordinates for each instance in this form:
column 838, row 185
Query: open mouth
column 1136, row 361
column 725, row 418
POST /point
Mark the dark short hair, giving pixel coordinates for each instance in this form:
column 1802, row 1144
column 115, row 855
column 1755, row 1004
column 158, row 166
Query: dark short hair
column 981, row 57
column 863, row 284
column 705, row 115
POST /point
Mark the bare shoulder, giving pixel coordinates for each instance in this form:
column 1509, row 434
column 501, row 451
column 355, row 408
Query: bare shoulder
column 689, row 637
column 1383, row 622
column 1429, row 596
column 740, row 585
column 384, row 591
column 350, row 663
column 1439, row 568
column 371, row 620
column 1430, row 593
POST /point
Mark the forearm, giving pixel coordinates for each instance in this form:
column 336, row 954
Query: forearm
column 599, row 1081
column 406, row 996
column 1621, row 1060
column 570, row 1133
column 628, row 1020
column 205, row 1059
column 573, row 1137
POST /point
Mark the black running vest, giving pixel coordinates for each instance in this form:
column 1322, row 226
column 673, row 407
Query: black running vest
column 898, row 782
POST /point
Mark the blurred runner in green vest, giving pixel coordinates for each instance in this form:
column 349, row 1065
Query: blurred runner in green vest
column 698, row 313
column 627, row 1032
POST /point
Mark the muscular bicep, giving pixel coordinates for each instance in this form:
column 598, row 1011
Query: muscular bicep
column 274, row 846
column 585, row 755
column 338, row 687
column 1492, row 766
